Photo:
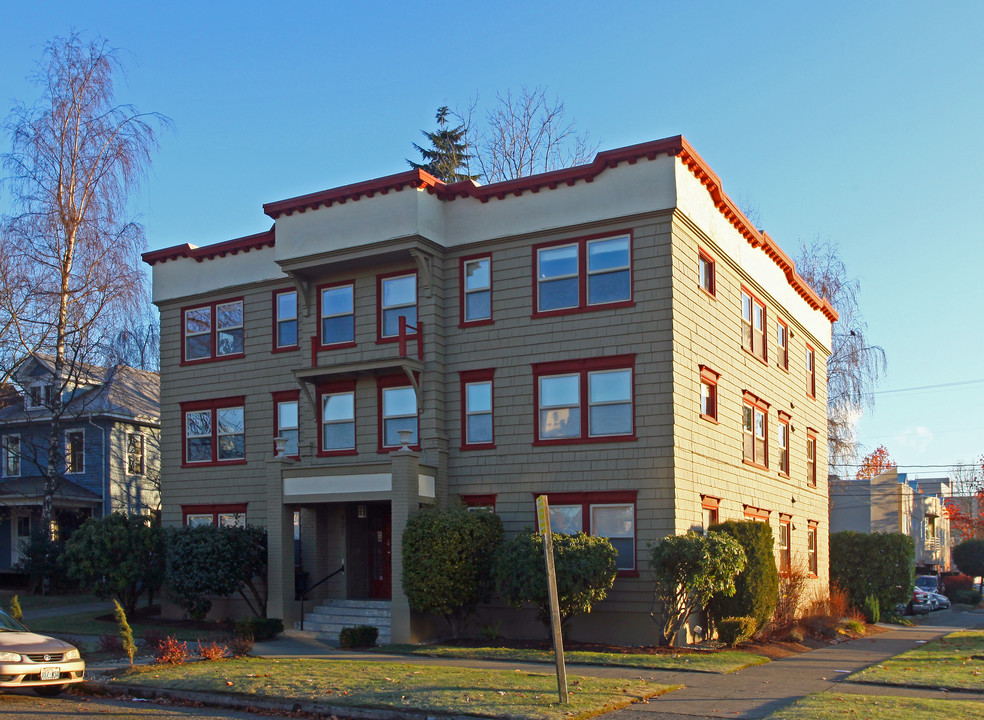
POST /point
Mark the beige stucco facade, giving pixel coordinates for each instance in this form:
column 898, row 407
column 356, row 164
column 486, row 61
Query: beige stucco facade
column 659, row 475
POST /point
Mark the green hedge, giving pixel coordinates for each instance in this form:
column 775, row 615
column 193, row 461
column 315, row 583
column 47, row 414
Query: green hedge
column 876, row 564
column 757, row 586
column 358, row 637
column 734, row 630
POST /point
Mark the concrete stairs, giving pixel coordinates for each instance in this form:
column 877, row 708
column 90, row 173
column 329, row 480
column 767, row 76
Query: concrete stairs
column 325, row 621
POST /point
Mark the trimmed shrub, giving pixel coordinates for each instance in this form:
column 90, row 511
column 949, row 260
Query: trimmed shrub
column 757, row 586
column 871, row 610
column 585, row 567
column 171, row 652
column 853, row 566
column 447, row 562
column 969, row 557
column 967, row 597
column 734, row 630
column 358, row 637
column 953, row 583
column 260, row 629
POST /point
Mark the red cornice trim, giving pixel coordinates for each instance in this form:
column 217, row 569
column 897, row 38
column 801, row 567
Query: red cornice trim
column 209, row 252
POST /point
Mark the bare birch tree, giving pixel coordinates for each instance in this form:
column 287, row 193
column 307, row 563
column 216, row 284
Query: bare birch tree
column 76, row 156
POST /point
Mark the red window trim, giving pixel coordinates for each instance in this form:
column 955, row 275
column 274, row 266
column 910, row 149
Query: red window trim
column 281, row 397
column 755, row 513
column 212, row 356
column 462, row 323
column 479, row 500
column 764, row 357
column 600, row 497
column 709, row 502
column 783, row 351
column 321, row 344
column 710, row 377
column 581, row 367
column 703, row 254
column 275, row 335
column 214, row 509
column 784, row 419
column 474, row 376
column 811, row 373
column 582, row 275
column 213, row 405
column 811, row 468
column 391, row 381
column 813, row 527
column 328, row 388
column 379, row 304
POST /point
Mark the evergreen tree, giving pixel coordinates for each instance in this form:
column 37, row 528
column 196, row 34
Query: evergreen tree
column 448, row 153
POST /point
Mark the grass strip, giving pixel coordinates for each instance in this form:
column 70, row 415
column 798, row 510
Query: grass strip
column 724, row 661
column 833, row 706
column 30, row 603
column 87, row 624
column 496, row 693
column 955, row 662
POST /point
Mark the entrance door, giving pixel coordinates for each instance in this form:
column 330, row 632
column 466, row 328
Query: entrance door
column 380, row 552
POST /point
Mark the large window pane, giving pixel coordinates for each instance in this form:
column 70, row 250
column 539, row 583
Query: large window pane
column 287, row 319
column 609, row 287
column 478, row 305
column 339, row 436
column 287, row 425
column 617, row 523
column 610, row 419
column 557, row 278
column 566, row 519
column 477, row 274
column 558, row 261
column 392, row 427
column 339, row 406
column 479, row 428
column 338, row 421
column 559, row 390
column 229, row 323
column 400, row 291
column 608, row 254
column 610, row 386
column 337, row 315
column 399, row 413
column 608, row 271
column 391, row 319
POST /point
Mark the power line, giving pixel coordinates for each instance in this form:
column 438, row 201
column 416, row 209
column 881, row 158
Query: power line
column 927, row 387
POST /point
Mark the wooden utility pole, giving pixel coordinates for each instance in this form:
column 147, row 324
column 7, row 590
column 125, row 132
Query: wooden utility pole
column 543, row 515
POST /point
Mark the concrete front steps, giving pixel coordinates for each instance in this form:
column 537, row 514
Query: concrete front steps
column 326, row 621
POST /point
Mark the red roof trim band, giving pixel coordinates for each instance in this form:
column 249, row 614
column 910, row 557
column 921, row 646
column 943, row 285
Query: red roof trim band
column 209, row 252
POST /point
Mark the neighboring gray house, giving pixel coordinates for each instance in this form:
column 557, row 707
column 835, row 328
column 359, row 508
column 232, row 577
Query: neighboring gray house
column 893, row 503
column 110, row 437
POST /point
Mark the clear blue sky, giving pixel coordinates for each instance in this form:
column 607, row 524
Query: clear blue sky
column 858, row 122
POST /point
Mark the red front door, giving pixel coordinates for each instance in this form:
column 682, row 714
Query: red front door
column 380, row 552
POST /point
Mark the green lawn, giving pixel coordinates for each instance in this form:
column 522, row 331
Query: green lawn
column 955, row 661
column 436, row 689
column 832, row 706
column 725, row 661
column 87, row 624
column 43, row 602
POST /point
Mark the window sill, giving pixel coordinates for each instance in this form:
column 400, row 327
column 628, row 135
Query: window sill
column 752, row 463
column 336, row 453
column 707, row 292
column 475, row 323
column 582, row 309
column 216, row 463
column 587, row 440
column 784, row 475
column 627, row 574
column 477, row 446
column 288, row 348
column 335, row 346
column 220, row 358
column 709, row 418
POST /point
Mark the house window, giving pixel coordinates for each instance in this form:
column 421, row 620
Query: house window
column 398, row 411
column 753, row 325
column 215, row 431
column 397, row 298
column 213, row 331
column 476, row 409
column 782, row 344
column 755, row 430
column 285, row 320
column 811, row 373
column 710, row 510
column 706, row 272
column 578, row 275
column 11, row 456
column 782, row 440
column 585, row 400
column 336, row 305
column 38, row 396
column 231, row 515
column 337, row 421
column 811, row 551
column 785, row 532
column 134, row 454
column 286, row 421
column 708, row 393
column 23, row 527
column 476, row 290
column 601, row 514
column 811, row 458
column 475, row 503
column 75, row 451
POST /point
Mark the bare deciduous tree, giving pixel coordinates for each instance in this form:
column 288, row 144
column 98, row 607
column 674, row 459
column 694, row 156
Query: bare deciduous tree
column 525, row 134
column 76, row 156
column 854, row 365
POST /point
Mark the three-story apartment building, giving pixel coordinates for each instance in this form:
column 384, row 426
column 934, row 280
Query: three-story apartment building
column 617, row 336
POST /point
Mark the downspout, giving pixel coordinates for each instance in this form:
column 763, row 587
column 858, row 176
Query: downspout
column 107, row 500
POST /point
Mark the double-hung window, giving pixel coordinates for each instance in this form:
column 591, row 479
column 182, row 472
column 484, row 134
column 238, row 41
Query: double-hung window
column 585, row 400
column 601, row 514
column 476, row 290
column 285, row 320
column 38, row 396
column 811, row 457
column 585, row 274
column 215, row 431
column 75, row 451
column 782, row 441
column 708, row 393
column 336, row 312
column 397, row 411
column 397, row 297
column 785, row 537
column 337, row 419
column 782, row 344
column 476, row 410
column 811, row 546
column 755, row 430
column 135, row 454
column 753, row 325
column 11, row 456
column 705, row 264
column 811, row 372
column 214, row 331
column 286, row 420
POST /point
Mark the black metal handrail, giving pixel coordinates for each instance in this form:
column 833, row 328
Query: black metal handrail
column 302, row 595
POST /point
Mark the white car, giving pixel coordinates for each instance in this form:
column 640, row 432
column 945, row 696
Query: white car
column 942, row 601
column 45, row 664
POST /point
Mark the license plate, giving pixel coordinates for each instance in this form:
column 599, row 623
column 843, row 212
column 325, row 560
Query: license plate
column 50, row 673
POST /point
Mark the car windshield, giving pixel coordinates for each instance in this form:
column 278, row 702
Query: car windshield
column 926, row 583
column 7, row 623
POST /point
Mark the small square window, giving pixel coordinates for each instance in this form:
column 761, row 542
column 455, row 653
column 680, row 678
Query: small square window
column 706, row 271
